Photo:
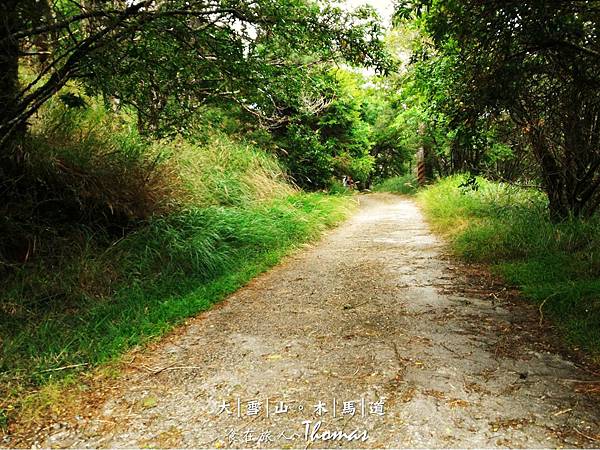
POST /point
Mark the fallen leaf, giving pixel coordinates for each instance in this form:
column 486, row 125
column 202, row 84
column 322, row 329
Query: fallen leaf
column 150, row 402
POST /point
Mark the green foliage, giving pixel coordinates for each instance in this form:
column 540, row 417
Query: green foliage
column 557, row 265
column 92, row 167
column 306, row 157
column 523, row 74
column 82, row 168
column 426, row 113
column 406, row 185
column 89, row 171
column 88, row 290
column 225, row 171
column 394, row 139
column 165, row 272
column 167, row 59
column 337, row 188
column 330, row 139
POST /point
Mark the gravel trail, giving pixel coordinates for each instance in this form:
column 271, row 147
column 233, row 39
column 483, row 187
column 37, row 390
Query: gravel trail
column 375, row 318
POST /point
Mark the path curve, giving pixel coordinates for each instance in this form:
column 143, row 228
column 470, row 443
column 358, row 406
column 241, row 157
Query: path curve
column 371, row 312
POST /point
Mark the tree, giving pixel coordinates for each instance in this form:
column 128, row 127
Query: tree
column 156, row 55
column 331, row 139
column 395, row 141
column 538, row 63
column 9, row 61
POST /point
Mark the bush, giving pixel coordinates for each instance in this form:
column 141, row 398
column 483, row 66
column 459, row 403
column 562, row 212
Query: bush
column 168, row 270
column 307, row 159
column 85, row 166
column 333, row 141
column 85, row 171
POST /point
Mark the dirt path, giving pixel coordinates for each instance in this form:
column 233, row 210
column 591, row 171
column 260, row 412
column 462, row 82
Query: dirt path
column 372, row 312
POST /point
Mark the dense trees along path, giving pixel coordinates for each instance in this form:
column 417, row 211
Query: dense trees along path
column 374, row 318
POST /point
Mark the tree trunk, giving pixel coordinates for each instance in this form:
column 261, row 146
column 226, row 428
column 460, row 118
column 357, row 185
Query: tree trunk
column 42, row 41
column 570, row 160
column 9, row 76
column 553, row 183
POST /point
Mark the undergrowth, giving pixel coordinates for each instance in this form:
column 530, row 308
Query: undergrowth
column 170, row 270
column 555, row 265
column 405, row 184
column 120, row 238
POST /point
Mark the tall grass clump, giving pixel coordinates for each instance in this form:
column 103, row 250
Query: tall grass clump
column 111, row 239
column 166, row 271
column 405, row 185
column 227, row 172
column 557, row 265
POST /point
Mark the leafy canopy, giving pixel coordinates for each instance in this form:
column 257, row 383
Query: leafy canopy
column 166, row 57
column 535, row 62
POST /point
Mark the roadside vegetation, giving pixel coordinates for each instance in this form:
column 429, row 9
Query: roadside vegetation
column 509, row 229
column 404, row 185
column 557, row 266
column 174, row 226
column 499, row 95
column 155, row 156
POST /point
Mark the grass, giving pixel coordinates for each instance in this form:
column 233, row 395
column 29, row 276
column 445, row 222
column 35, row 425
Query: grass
column 405, row 184
column 217, row 211
column 170, row 270
column 555, row 265
column 227, row 172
